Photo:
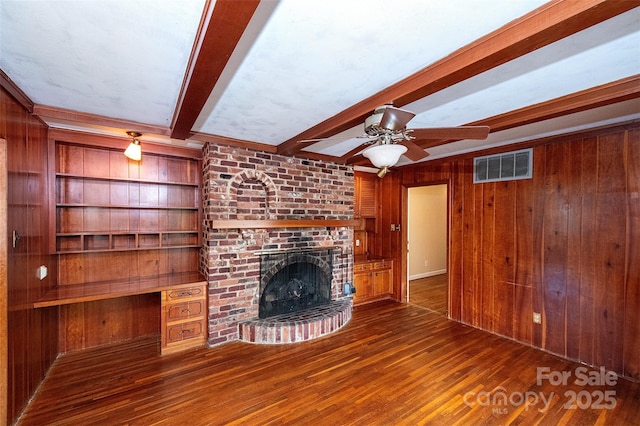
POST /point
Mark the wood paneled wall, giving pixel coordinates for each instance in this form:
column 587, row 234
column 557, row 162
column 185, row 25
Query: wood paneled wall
column 565, row 243
column 89, row 324
column 32, row 333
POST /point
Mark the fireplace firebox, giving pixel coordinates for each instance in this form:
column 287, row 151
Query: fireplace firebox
column 294, row 281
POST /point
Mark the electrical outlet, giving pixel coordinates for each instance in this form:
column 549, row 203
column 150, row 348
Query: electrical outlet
column 393, row 227
column 357, row 243
column 537, row 318
column 426, row 263
column 42, row 272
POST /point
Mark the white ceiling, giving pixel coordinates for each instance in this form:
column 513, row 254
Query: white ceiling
column 300, row 63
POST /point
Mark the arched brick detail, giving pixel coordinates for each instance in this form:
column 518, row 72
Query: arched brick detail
column 247, row 176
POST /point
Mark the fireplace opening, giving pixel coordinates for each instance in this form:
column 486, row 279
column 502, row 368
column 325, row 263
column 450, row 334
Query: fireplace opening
column 294, row 281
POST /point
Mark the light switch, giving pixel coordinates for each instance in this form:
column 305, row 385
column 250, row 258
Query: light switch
column 537, row 318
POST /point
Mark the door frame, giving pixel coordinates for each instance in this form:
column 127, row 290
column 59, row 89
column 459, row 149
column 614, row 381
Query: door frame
column 404, row 279
column 4, row 349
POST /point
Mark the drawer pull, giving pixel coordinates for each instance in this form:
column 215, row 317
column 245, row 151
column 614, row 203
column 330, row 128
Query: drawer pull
column 187, row 331
column 185, row 293
column 185, row 311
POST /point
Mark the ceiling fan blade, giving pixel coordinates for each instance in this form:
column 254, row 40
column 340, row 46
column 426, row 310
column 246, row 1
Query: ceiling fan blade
column 449, row 133
column 357, row 160
column 395, row 118
column 414, row 152
column 333, row 138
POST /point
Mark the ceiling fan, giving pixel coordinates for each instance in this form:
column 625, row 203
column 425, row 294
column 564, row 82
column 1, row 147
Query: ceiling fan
column 387, row 127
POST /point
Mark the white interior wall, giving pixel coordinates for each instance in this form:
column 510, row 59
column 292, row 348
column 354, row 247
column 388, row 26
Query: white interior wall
column 427, row 233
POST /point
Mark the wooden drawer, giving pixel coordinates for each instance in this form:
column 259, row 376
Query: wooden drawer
column 383, row 264
column 184, row 318
column 361, row 267
column 184, row 293
column 185, row 331
column 184, row 310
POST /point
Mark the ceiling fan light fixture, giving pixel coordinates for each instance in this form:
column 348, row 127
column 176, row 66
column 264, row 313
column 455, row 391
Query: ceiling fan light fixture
column 134, row 151
column 372, row 122
column 382, row 172
column 384, row 155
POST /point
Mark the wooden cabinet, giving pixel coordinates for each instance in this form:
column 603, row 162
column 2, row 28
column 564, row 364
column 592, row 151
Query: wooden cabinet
column 123, row 228
column 366, row 195
column 366, row 206
column 184, row 314
column 373, row 280
column 382, row 281
column 362, row 280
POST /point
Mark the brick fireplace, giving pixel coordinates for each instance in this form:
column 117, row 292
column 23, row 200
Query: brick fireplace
column 246, row 185
column 291, row 281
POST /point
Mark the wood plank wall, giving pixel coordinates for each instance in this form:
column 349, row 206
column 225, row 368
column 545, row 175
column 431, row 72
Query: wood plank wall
column 565, row 244
column 90, row 324
column 32, row 333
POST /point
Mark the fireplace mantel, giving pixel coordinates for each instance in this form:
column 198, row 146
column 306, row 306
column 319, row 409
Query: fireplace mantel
column 282, row 223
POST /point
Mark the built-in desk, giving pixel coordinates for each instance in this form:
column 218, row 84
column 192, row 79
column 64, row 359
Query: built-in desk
column 183, row 304
column 64, row 295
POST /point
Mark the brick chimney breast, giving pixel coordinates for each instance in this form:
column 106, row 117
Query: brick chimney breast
column 241, row 183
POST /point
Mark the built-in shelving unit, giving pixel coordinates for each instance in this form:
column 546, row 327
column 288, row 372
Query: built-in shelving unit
column 117, row 219
column 123, row 231
column 124, row 241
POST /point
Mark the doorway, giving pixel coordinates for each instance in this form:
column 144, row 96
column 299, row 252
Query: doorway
column 427, row 280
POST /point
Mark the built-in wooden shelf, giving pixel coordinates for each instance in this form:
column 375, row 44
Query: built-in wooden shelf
column 129, row 207
column 87, row 292
column 282, row 223
column 125, row 179
column 126, row 249
column 81, row 242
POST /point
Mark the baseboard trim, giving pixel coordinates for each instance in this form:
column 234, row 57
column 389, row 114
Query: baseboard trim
column 427, row 274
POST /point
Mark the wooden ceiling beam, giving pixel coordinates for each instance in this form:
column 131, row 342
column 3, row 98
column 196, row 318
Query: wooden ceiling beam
column 120, row 143
column 49, row 113
column 221, row 27
column 225, row 140
column 541, row 27
column 594, row 97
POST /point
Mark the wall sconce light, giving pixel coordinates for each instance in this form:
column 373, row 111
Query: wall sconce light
column 134, row 151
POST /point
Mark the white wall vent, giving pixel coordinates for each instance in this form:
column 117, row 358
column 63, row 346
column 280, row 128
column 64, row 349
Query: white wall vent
column 508, row 166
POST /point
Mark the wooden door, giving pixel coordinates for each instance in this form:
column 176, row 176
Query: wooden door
column 364, row 288
column 367, row 195
column 382, row 282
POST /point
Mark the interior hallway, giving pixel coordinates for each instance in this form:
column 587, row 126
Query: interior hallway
column 430, row 293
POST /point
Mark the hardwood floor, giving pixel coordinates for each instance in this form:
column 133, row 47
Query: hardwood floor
column 391, row 364
column 430, row 293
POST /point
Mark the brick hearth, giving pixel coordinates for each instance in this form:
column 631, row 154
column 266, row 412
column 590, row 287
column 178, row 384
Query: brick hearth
column 244, row 184
column 299, row 326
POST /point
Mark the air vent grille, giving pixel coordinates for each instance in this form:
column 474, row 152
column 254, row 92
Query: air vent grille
column 507, row 166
